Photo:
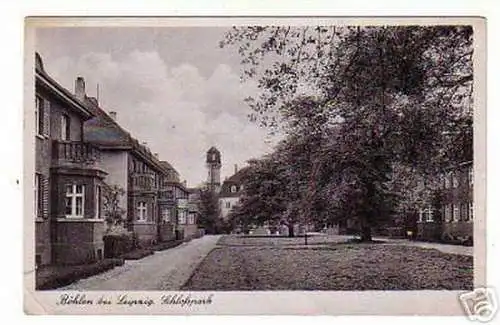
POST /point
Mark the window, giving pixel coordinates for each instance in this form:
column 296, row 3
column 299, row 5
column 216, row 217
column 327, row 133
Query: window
column 182, row 217
column 141, row 211
column 454, row 180
column 98, row 202
column 420, row 215
column 228, row 205
column 471, row 176
column 65, row 127
column 38, row 199
column 429, row 215
column 471, row 211
column 191, row 219
column 463, row 212
column 75, row 198
column 233, row 189
column 165, row 215
column 213, row 157
column 39, row 115
column 447, row 213
column 456, row 212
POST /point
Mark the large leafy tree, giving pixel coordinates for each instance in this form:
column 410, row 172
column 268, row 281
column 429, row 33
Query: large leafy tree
column 368, row 97
column 210, row 218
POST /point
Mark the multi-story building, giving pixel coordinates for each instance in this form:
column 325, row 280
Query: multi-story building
column 194, row 201
column 451, row 216
column 132, row 167
column 186, row 225
column 68, row 178
column 231, row 190
column 458, row 203
column 168, row 204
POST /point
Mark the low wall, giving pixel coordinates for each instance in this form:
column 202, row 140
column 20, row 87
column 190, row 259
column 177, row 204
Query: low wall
column 42, row 243
column 146, row 233
column 79, row 241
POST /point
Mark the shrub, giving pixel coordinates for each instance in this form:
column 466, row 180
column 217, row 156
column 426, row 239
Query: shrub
column 65, row 275
column 115, row 245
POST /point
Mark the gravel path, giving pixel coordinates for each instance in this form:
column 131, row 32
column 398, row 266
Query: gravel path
column 164, row 270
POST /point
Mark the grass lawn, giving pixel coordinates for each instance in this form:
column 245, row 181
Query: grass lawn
column 285, row 264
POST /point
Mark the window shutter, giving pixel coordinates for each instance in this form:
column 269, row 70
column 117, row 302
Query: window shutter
column 46, row 118
column 45, row 196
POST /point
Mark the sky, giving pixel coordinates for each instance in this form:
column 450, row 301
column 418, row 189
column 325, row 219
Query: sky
column 171, row 87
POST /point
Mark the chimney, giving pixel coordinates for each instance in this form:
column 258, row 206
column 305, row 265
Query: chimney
column 80, row 88
column 235, row 168
column 156, row 155
column 144, row 143
column 113, row 115
column 184, row 182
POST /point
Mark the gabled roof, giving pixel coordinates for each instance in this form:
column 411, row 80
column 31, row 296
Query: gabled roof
column 59, row 91
column 106, row 133
column 239, row 177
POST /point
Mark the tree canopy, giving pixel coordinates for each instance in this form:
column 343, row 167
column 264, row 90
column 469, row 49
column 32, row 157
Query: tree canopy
column 358, row 105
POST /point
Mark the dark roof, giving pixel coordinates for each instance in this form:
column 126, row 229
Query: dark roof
column 239, row 176
column 213, row 149
column 237, row 180
column 106, row 133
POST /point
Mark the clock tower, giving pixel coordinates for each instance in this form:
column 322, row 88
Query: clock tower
column 213, row 165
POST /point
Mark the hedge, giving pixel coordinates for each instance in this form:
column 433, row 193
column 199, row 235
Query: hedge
column 117, row 245
column 65, row 275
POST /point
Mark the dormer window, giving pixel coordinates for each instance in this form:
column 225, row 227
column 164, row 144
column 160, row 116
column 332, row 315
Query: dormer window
column 233, row 189
column 213, row 157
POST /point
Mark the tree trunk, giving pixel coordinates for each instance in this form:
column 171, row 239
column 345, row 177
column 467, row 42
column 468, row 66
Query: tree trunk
column 290, row 231
column 366, row 233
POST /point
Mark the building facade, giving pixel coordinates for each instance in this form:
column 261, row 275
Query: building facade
column 135, row 169
column 80, row 153
column 452, row 217
column 68, row 178
column 231, row 191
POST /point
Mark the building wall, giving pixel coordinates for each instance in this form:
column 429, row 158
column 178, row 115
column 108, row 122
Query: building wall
column 458, row 193
column 76, row 125
column 223, row 201
column 146, row 231
column 115, row 164
column 76, row 241
column 166, row 231
column 79, row 241
column 43, row 146
column 190, row 231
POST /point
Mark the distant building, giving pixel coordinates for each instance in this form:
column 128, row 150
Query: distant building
column 213, row 163
column 231, row 190
column 453, row 219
